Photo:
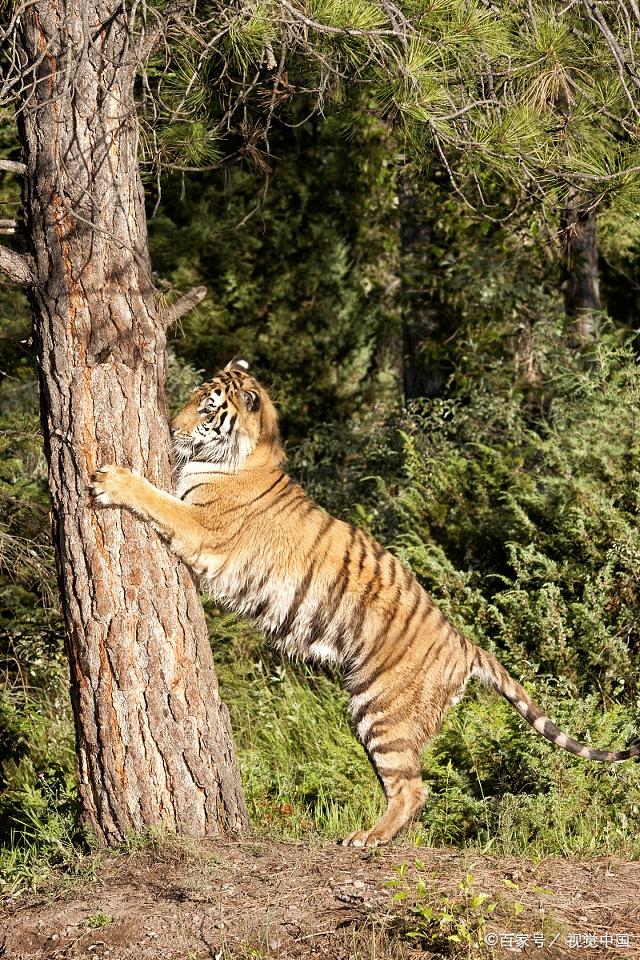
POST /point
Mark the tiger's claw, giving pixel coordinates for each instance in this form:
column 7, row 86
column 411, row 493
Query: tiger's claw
column 108, row 484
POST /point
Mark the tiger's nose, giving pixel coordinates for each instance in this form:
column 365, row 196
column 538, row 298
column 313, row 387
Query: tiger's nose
column 181, row 423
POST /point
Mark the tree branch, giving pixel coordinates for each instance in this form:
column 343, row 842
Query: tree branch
column 19, row 267
column 152, row 38
column 12, row 166
column 185, row 304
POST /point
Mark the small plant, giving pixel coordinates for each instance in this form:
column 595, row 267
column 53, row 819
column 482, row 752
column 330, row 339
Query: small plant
column 452, row 926
column 137, row 841
column 98, row 920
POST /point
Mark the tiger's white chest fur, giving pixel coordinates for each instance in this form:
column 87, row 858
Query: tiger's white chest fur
column 241, row 585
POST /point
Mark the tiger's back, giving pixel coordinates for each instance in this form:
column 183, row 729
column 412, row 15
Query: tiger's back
column 320, row 588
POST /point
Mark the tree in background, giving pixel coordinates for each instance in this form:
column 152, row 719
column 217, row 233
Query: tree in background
column 519, row 107
column 308, row 286
column 581, row 282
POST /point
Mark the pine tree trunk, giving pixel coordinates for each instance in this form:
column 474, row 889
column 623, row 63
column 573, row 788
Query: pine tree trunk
column 154, row 742
column 424, row 373
column 581, row 282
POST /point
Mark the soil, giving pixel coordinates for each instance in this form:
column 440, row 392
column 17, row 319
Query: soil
column 255, row 899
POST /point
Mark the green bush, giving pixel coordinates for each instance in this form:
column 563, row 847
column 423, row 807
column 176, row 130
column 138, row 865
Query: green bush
column 527, row 530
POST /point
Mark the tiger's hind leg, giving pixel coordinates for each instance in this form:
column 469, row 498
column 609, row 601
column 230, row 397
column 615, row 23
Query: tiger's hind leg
column 397, row 765
column 392, row 742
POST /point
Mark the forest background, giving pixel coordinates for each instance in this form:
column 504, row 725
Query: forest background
column 434, row 387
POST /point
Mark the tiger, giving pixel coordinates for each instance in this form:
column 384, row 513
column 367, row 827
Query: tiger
column 320, row 588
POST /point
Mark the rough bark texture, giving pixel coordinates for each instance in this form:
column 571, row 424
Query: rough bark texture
column 154, row 741
column 581, row 283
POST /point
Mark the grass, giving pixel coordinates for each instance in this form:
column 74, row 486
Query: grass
column 38, row 803
column 303, row 773
column 98, row 920
column 494, row 785
column 448, row 925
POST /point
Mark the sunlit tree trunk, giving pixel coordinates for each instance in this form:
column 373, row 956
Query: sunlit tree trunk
column 154, row 742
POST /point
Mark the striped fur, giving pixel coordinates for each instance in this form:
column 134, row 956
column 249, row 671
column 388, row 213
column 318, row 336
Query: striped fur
column 320, row 588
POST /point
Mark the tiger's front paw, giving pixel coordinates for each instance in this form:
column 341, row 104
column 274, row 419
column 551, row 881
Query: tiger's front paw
column 109, row 486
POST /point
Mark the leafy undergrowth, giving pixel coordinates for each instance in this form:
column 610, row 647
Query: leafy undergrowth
column 259, row 899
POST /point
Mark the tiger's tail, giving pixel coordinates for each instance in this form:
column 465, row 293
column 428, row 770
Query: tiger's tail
column 490, row 671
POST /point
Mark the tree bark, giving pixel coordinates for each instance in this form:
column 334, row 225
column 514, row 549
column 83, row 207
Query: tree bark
column 581, row 282
column 154, row 742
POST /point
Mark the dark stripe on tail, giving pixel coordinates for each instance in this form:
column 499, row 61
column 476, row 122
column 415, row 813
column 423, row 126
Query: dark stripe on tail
column 487, row 668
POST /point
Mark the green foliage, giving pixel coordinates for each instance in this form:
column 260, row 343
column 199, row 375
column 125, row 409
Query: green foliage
column 494, row 782
column 452, row 926
column 529, row 528
column 306, row 287
column 38, row 808
column 530, row 94
column 37, row 756
column 96, row 921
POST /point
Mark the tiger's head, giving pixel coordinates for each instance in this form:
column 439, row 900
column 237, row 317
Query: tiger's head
column 227, row 420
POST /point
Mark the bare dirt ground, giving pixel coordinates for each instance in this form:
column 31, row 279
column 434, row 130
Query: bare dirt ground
column 258, row 899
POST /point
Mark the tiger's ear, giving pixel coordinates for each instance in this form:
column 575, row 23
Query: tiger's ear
column 250, row 399
column 238, row 363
